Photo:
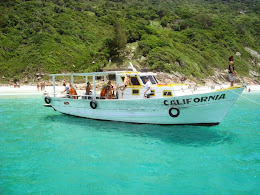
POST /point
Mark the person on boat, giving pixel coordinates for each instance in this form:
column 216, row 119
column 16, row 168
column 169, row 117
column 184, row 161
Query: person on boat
column 109, row 91
column 147, row 88
column 88, row 88
column 104, row 90
column 232, row 72
column 67, row 88
column 73, row 92
column 127, row 81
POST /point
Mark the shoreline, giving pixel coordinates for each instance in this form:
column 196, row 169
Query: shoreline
column 32, row 90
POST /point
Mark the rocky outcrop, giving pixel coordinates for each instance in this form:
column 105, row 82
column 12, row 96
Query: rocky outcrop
column 220, row 78
column 253, row 53
column 176, row 77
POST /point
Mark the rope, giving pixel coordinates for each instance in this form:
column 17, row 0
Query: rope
column 245, row 98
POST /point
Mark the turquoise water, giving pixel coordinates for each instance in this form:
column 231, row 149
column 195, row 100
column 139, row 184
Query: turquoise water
column 44, row 152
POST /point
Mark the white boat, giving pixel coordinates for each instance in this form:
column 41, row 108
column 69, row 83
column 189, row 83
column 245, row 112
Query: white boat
column 171, row 104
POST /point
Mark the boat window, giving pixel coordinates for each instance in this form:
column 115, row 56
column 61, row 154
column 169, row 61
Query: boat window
column 152, row 93
column 151, row 78
column 135, row 92
column 156, row 80
column 112, row 77
column 143, row 79
column 167, row 93
column 134, row 80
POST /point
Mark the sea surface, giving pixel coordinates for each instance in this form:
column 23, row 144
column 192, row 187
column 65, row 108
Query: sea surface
column 45, row 152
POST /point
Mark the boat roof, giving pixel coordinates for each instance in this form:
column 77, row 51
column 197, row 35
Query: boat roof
column 105, row 73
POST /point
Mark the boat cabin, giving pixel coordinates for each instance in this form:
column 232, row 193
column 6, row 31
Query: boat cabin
column 134, row 91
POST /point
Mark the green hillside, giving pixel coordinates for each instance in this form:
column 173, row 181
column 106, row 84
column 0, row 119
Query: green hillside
column 191, row 36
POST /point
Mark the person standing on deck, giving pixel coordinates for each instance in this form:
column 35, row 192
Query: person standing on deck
column 88, row 88
column 67, row 88
column 147, row 88
column 232, row 72
column 127, row 81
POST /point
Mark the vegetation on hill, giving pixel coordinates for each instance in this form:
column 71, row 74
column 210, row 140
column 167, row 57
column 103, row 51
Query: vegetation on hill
column 191, row 37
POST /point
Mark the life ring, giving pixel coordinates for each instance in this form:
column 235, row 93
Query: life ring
column 174, row 115
column 93, row 104
column 47, row 100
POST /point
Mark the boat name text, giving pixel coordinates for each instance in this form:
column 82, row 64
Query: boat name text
column 195, row 100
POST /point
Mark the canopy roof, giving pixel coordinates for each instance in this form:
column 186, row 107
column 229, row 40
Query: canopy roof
column 102, row 73
column 88, row 74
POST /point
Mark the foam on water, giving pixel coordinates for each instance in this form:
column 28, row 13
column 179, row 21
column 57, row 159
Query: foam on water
column 44, row 152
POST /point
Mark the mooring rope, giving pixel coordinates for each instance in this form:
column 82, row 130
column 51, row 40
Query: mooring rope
column 245, row 98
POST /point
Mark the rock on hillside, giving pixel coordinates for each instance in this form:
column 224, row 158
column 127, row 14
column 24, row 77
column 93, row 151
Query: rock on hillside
column 219, row 78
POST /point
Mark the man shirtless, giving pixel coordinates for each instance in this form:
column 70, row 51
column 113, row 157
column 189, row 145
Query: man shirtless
column 127, row 81
column 88, row 88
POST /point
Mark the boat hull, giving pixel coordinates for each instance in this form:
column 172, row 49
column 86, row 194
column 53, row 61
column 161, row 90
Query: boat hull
column 196, row 109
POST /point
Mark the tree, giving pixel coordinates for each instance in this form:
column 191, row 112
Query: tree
column 118, row 42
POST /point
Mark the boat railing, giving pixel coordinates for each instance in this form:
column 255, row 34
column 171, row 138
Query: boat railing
column 81, row 94
column 62, row 95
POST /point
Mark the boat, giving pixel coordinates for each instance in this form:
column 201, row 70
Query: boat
column 169, row 104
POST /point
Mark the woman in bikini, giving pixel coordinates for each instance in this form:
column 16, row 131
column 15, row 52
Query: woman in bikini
column 127, row 81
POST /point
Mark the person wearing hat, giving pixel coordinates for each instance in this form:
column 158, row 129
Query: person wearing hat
column 147, row 88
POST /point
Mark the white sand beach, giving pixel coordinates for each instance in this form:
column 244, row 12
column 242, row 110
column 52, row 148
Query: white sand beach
column 27, row 90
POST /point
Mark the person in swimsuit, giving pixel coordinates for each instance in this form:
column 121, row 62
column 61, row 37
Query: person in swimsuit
column 232, row 72
column 127, row 80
